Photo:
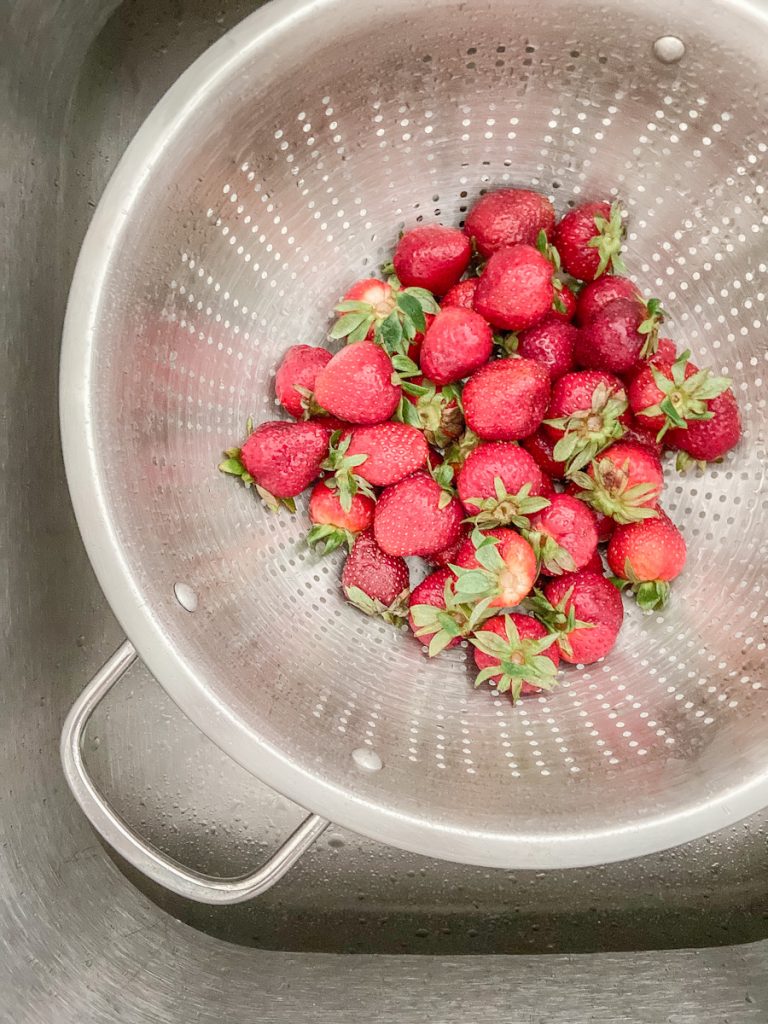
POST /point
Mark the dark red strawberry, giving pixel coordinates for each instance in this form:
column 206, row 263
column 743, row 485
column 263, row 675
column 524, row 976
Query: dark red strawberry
column 510, row 216
column 622, row 333
column 496, row 568
column 392, row 451
column 597, row 294
column 432, row 257
column 516, row 655
column 595, row 564
column 563, row 535
column 434, row 410
column 462, row 295
column 584, row 416
column 646, row 556
column 356, row 385
column 279, row 459
column 605, row 525
column 416, row 517
column 624, row 482
column 436, row 615
column 541, row 446
column 564, row 304
column 333, row 525
column 708, row 440
column 584, row 610
column 447, row 555
column 548, row 486
column 457, row 343
column 515, row 289
column 374, row 581
column 551, row 343
column 589, row 240
column 295, row 379
column 506, row 400
column 499, row 484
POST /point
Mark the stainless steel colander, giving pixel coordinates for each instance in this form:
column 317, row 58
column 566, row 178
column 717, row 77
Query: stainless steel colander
column 278, row 170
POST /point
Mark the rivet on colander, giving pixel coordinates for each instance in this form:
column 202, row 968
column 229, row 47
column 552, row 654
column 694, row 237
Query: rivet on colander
column 186, row 596
column 668, row 49
column 368, row 760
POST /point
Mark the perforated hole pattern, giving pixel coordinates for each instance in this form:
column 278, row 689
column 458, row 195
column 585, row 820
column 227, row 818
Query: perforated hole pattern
column 292, row 180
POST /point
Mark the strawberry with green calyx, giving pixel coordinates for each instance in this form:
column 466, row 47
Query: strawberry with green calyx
column 516, row 654
column 624, row 482
column 584, row 416
column 497, row 564
column 357, row 385
column 708, row 440
column 500, row 484
column 664, row 395
column 333, row 525
column 434, row 410
column 345, row 482
column 508, row 216
column 417, row 516
column 563, row 535
column 432, row 257
column 541, row 448
column 391, row 317
column 621, row 334
column 564, row 301
column 456, row 455
column 506, row 509
column 374, row 582
column 645, row 557
column 589, row 240
column 584, row 610
column 295, row 380
column 438, row 618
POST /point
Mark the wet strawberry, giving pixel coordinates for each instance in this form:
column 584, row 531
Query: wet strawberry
column 551, row 343
column 356, row 385
column 374, row 581
column 510, row 216
column 437, row 617
column 563, row 535
column 506, row 400
column 623, row 332
column 597, row 294
column 432, row 257
column 495, row 566
column 392, row 451
column 584, row 416
column 333, row 525
column 541, row 446
column 395, row 318
column 584, row 610
column 624, row 482
column 417, row 517
column 516, row 655
column 461, row 295
column 499, row 484
column 434, row 410
column 564, row 304
column 708, row 440
column 589, row 240
column 457, row 343
column 515, row 289
column 296, row 376
column 645, row 556
column 604, row 524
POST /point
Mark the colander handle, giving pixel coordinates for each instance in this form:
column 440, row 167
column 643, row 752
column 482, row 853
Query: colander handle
column 161, row 869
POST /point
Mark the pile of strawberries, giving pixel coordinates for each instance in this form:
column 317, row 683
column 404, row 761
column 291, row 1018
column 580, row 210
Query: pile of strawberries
column 499, row 408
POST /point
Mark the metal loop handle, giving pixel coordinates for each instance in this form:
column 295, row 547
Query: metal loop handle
column 161, row 869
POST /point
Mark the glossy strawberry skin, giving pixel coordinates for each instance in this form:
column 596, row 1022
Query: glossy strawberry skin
column 515, row 289
column 571, row 524
column 510, row 216
column 431, row 590
column 528, row 628
column 379, row 575
column 551, row 343
column 654, row 549
column 596, row 295
column 710, row 439
column 639, row 464
column 356, row 385
column 409, row 520
column 572, row 236
column 506, row 399
column 299, row 368
column 284, row 458
column 611, row 340
column 516, row 582
column 461, row 295
column 564, row 305
column 573, row 392
column 325, row 509
column 394, row 450
column 541, row 446
column 514, row 466
column 433, row 257
column 594, row 600
column 643, row 392
column 456, row 344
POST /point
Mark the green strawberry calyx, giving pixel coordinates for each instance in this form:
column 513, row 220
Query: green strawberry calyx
column 345, row 481
column 503, row 508
column 435, row 411
column 443, row 475
column 654, row 318
column 456, row 619
column 309, row 406
column 473, row 585
column 684, row 399
column 607, row 490
column 608, row 241
column 233, row 466
column 550, row 555
column 549, row 252
column 651, row 595
column 456, row 454
column 558, row 619
column 516, row 660
column 395, row 322
column 330, row 537
column 395, row 613
column 588, row 431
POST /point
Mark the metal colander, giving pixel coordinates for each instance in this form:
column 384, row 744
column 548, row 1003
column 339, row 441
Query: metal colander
column 279, row 169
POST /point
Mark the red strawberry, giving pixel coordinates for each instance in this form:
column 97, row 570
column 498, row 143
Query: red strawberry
column 280, row 459
column 584, row 416
column 648, row 555
column 541, row 446
column 392, row 451
column 416, row 517
column 550, row 343
column 595, row 564
column 434, row 410
column 597, row 294
column 393, row 318
column 585, row 612
column 333, row 525
column 432, row 257
column 356, row 385
column 708, row 440
column 515, row 290
column 589, row 240
column 564, row 304
column 437, row 617
column 506, row 400
column 510, row 216
column 372, row 301
column 447, row 555
column 605, row 525
column 563, row 535
column 624, row 482
column 516, row 654
column 374, row 581
column 547, row 486
column 499, row 484
column 496, row 568
column 622, row 333
column 462, row 294
column 457, row 343
column 295, row 379
column 636, row 432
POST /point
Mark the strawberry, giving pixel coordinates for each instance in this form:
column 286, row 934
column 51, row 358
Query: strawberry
column 707, row 440
column 511, row 216
column 541, row 446
column 604, row 524
column 547, row 486
column 356, row 385
column 374, row 581
column 595, row 564
column 499, row 484
column 515, row 289
column 646, row 556
column 462, row 294
column 432, row 257
column 333, row 524
column 434, row 410
column 296, row 376
column 416, row 517
column 436, row 615
column 448, row 554
column 392, row 451
column 551, row 343
column 584, row 416
column 457, row 343
column 564, row 304
column 516, row 654
column 563, row 535
column 506, row 400
column 392, row 317
column 596, row 295
column 495, row 566
column 624, row 482
column 280, row 459
column 585, row 612
column 589, row 240
column 623, row 332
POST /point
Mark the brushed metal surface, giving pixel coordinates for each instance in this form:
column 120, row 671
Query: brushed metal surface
column 78, row 942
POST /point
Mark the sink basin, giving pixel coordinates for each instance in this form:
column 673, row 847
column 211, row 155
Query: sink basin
column 82, row 942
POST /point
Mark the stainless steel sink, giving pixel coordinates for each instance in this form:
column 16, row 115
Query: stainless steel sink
column 79, row 941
